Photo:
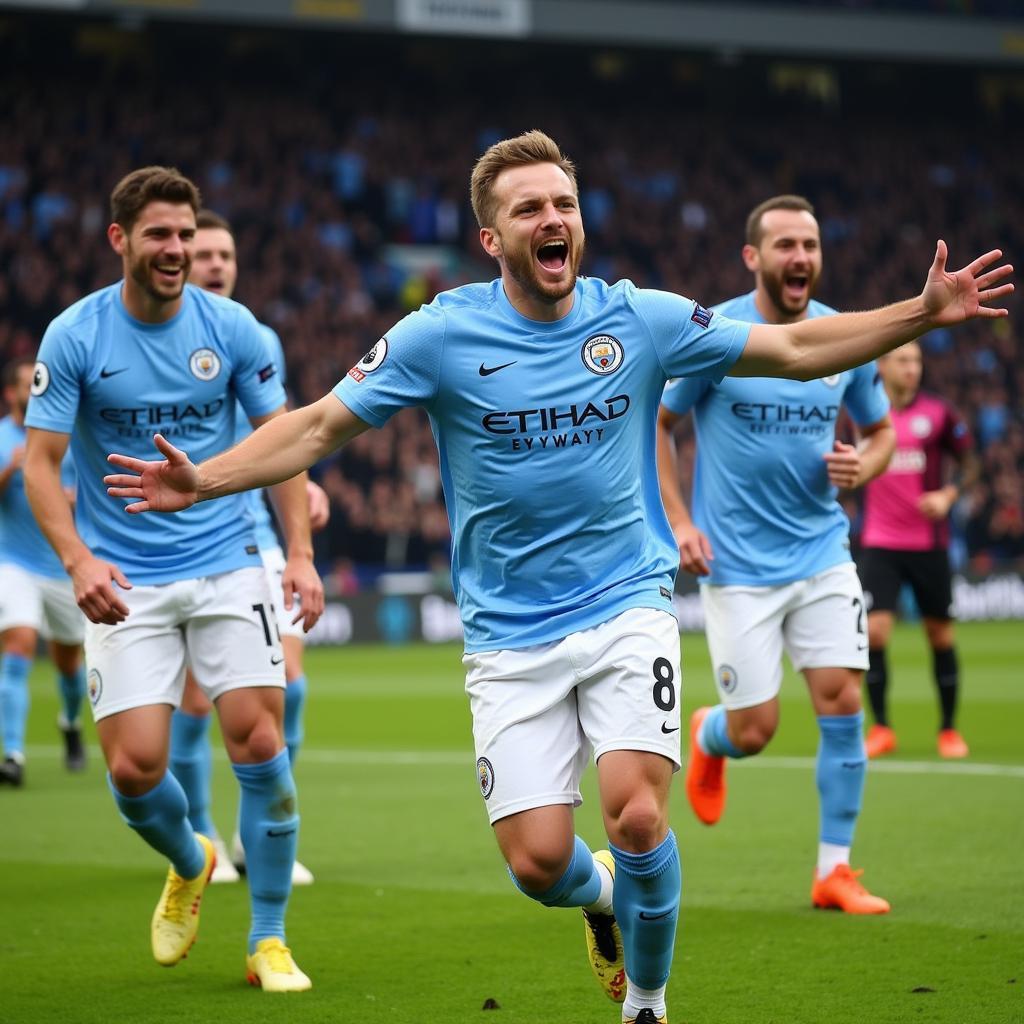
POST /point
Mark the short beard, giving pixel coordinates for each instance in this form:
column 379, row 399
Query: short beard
column 774, row 287
column 140, row 272
column 520, row 267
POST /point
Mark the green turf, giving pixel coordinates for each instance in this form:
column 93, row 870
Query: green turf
column 413, row 920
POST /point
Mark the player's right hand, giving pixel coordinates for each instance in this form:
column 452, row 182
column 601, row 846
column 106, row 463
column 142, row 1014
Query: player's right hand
column 168, row 485
column 694, row 549
column 93, row 580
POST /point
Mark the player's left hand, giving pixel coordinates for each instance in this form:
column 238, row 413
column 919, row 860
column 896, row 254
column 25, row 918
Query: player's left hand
column 844, row 466
column 168, row 485
column 301, row 580
column 952, row 297
column 935, row 505
column 319, row 506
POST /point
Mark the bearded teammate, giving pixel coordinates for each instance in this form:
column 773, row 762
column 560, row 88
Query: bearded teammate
column 543, row 390
column 906, row 540
column 215, row 269
column 35, row 596
column 162, row 593
column 772, row 545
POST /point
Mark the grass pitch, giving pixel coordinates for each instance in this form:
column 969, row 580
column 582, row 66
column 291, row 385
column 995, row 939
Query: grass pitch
column 412, row 918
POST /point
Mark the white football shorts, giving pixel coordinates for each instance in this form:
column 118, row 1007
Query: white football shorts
column 539, row 711
column 273, row 565
column 221, row 626
column 46, row 605
column 820, row 622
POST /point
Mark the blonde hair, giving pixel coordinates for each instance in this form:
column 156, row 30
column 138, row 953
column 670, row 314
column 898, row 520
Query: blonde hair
column 529, row 148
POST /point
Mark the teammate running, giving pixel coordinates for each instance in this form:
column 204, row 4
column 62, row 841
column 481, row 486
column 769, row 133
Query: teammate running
column 35, row 597
column 151, row 351
column 772, row 546
column 906, row 540
column 543, row 391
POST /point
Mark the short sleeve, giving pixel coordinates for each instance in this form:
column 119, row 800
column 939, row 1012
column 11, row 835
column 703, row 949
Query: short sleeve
column 865, row 396
column 56, row 386
column 255, row 376
column 690, row 341
column 401, row 370
column 681, row 395
column 956, row 435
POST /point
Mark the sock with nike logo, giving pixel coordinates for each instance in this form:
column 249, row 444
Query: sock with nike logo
column 841, row 769
column 646, row 903
column 268, row 822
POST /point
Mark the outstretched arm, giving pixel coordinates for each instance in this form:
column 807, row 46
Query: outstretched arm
column 278, row 450
column 818, row 347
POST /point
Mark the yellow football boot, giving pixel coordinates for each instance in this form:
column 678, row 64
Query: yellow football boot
column 176, row 918
column 272, row 968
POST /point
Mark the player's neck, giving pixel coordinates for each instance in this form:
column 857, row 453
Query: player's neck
column 547, row 311
column 771, row 314
column 900, row 399
column 145, row 307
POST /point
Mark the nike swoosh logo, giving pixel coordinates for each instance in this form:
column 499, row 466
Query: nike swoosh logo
column 666, row 730
column 112, row 373
column 862, row 647
column 277, row 833
column 486, row 371
column 276, row 661
column 644, row 916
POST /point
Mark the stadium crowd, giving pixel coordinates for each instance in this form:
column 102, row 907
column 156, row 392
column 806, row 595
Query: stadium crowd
column 348, row 213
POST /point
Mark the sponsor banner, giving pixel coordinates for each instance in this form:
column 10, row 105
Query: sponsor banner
column 399, row 618
column 465, row 17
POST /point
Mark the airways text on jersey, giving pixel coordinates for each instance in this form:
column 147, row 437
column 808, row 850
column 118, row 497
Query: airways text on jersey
column 554, row 426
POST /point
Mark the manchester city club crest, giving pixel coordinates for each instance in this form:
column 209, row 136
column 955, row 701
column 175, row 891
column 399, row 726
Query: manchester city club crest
column 485, row 775
column 727, row 678
column 204, row 363
column 94, row 686
column 831, row 380
column 602, row 353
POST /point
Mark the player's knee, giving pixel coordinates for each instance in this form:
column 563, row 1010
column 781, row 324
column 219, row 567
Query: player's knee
column 752, row 737
column 641, row 824
column 263, row 742
column 134, row 774
column 537, row 869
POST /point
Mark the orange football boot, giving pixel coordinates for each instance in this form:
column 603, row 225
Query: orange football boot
column 880, row 740
column 841, row 891
column 952, row 745
column 705, row 776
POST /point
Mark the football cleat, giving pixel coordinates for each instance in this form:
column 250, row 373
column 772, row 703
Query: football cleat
column 224, row 871
column 840, row 890
column 604, row 943
column 645, row 1016
column 952, row 745
column 705, row 776
column 74, row 749
column 879, row 740
column 272, row 968
column 12, row 771
column 176, row 918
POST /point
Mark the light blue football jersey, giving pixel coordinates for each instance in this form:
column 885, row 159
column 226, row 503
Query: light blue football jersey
column 257, row 501
column 112, row 381
column 545, row 433
column 760, row 488
column 21, row 541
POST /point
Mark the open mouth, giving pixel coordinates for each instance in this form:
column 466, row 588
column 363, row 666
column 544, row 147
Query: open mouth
column 169, row 272
column 796, row 285
column 554, row 254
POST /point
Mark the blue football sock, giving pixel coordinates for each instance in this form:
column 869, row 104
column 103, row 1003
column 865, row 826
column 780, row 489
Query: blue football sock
column 713, row 736
column 268, row 822
column 579, row 886
column 842, row 766
column 191, row 761
column 294, row 703
column 14, row 701
column 646, row 904
column 160, row 817
column 72, row 690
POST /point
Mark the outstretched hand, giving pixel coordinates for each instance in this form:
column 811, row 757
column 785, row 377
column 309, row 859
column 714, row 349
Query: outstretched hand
column 167, row 485
column 950, row 298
